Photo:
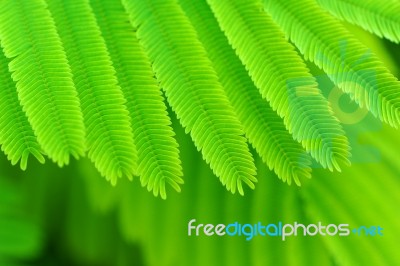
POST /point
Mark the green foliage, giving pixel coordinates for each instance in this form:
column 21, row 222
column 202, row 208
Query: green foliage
column 263, row 127
column 350, row 64
column 158, row 152
column 369, row 197
column 43, row 78
column 79, row 76
column 283, row 80
column 16, row 135
column 89, row 74
column 109, row 137
column 193, row 90
column 378, row 17
column 82, row 235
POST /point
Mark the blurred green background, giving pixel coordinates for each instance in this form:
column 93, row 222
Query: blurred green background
column 72, row 216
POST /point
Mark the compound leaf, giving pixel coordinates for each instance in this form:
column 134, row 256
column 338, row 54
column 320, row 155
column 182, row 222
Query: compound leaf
column 283, row 79
column 263, row 127
column 348, row 63
column 158, row 153
column 109, row 136
column 379, row 17
column 192, row 89
column 43, row 78
column 17, row 139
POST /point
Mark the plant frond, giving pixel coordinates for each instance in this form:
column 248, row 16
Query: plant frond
column 17, row 139
column 109, row 136
column 379, row 17
column 349, row 64
column 44, row 83
column 193, row 90
column 283, row 79
column 158, row 152
column 263, row 127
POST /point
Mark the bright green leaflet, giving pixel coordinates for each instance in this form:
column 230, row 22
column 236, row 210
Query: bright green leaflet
column 379, row 17
column 44, row 83
column 158, row 152
column 109, row 136
column 263, row 127
column 283, row 79
column 17, row 139
column 349, row 64
column 193, row 90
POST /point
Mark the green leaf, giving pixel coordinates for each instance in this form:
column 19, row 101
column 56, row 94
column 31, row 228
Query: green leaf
column 192, row 89
column 158, row 152
column 283, row 79
column 109, row 136
column 348, row 63
column 43, row 78
column 17, row 139
column 263, row 127
column 379, row 17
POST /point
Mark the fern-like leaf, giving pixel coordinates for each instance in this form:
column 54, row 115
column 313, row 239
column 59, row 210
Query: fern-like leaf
column 109, row 136
column 17, row 139
column 43, row 78
column 192, row 89
column 158, row 152
column 283, row 79
column 379, row 17
column 349, row 64
column 263, row 127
